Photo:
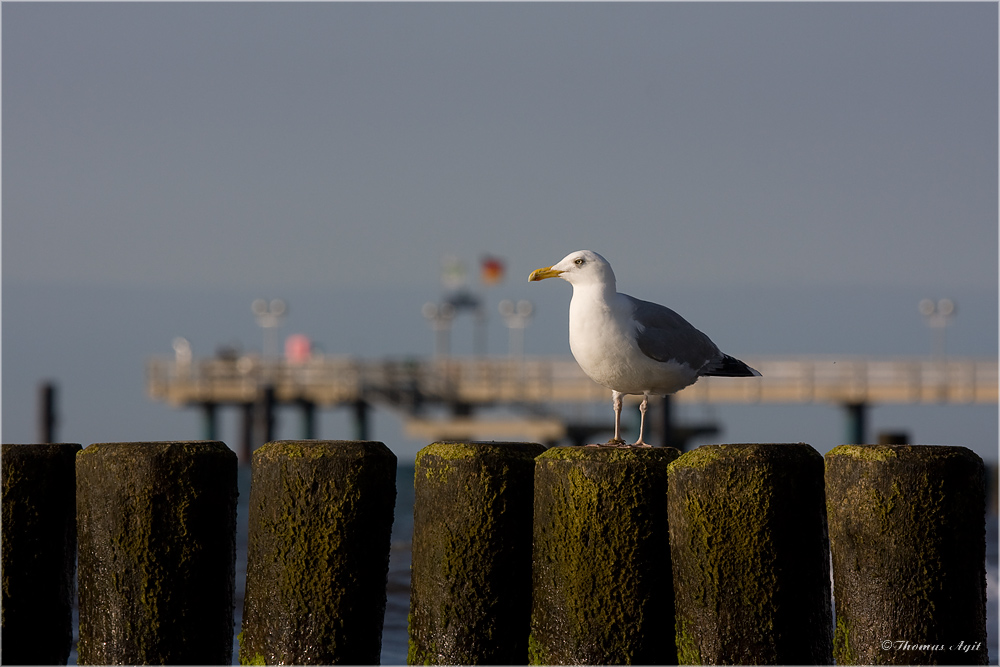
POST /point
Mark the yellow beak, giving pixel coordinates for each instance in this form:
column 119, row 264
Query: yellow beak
column 543, row 273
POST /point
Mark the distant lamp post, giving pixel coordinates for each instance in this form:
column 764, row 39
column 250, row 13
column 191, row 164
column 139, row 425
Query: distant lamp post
column 938, row 316
column 516, row 317
column 269, row 318
column 440, row 317
column 182, row 351
column 182, row 356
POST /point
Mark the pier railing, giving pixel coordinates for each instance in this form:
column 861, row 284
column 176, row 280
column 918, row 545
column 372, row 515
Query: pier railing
column 332, row 380
column 571, row 555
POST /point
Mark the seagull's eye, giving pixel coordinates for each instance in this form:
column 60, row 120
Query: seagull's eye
column 579, row 261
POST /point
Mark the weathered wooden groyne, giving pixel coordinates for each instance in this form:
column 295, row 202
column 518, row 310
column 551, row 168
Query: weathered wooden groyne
column 318, row 555
column 908, row 541
column 471, row 553
column 750, row 553
column 39, row 552
column 157, row 537
column 602, row 580
column 722, row 555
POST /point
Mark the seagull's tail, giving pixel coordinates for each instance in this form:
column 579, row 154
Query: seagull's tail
column 730, row 367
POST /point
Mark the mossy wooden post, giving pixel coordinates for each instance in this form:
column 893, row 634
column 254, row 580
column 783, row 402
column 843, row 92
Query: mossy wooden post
column 601, row 576
column 470, row 586
column 748, row 541
column 908, row 536
column 318, row 558
column 39, row 552
column 157, row 552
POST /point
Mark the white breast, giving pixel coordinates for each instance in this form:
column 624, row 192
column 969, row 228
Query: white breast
column 602, row 339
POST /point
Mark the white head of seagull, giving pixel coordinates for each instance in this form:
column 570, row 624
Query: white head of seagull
column 580, row 268
column 629, row 345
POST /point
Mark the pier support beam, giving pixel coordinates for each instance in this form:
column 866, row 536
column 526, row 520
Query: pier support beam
column 39, row 552
column 246, row 433
column 361, row 419
column 308, row 410
column 669, row 434
column 908, row 538
column 209, row 420
column 857, row 423
column 263, row 416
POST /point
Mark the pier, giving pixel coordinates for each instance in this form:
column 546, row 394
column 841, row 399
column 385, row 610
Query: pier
column 534, row 388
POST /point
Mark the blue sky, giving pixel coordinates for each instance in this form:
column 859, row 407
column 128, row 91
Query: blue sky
column 791, row 177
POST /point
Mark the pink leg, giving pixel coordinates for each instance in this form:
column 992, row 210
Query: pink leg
column 616, row 402
column 642, row 421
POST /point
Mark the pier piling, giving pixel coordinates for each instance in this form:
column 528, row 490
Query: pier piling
column 908, row 539
column 602, row 589
column 39, row 552
column 47, row 415
column 471, row 575
column 748, row 543
column 321, row 516
column 157, row 524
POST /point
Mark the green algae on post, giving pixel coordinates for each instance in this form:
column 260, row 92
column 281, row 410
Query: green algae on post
column 318, row 554
column 471, row 574
column 749, row 549
column 865, row 452
column 908, row 539
column 602, row 590
column 39, row 552
column 157, row 552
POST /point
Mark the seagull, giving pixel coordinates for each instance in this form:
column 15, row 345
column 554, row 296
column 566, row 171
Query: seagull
column 632, row 346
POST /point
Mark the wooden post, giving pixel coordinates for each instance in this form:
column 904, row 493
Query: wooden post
column 318, row 558
column 157, row 552
column 908, row 536
column 47, row 417
column 750, row 555
column 470, row 596
column 601, row 576
column 39, row 552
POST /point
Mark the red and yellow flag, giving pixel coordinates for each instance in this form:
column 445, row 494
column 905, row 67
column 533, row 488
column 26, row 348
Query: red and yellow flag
column 491, row 269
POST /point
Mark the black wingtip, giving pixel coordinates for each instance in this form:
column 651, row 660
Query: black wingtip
column 731, row 367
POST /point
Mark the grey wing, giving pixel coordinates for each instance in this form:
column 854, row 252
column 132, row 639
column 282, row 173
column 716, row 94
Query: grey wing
column 664, row 335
